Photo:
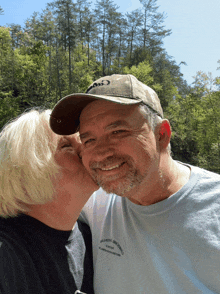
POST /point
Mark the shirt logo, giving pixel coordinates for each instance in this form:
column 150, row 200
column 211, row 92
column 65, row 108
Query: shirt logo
column 111, row 246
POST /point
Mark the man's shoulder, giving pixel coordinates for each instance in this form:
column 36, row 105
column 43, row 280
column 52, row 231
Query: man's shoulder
column 202, row 172
column 204, row 183
column 205, row 174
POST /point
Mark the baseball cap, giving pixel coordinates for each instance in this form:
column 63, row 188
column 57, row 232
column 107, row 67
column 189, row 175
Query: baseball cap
column 121, row 89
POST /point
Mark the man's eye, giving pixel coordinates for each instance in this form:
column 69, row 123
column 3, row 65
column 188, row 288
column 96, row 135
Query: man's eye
column 118, row 131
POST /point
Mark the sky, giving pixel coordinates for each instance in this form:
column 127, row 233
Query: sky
column 195, row 26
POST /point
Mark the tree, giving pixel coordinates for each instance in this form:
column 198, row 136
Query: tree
column 195, row 120
column 82, row 14
column 143, row 72
column 83, row 73
column 106, row 15
column 153, row 30
column 48, row 36
column 16, row 35
column 90, row 34
column 112, row 39
column 122, row 49
column 7, row 62
column 183, row 113
column 209, row 131
column 86, row 24
column 1, row 10
column 65, row 13
column 66, row 46
column 9, row 106
column 162, row 75
column 134, row 22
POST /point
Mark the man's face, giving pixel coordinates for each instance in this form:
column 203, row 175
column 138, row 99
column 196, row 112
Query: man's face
column 119, row 148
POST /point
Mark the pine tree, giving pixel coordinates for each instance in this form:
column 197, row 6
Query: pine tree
column 1, row 10
column 65, row 13
column 107, row 16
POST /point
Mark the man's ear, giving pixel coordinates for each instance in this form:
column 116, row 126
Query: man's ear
column 164, row 134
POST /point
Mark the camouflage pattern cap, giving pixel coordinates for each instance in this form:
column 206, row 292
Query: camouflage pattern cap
column 121, row 89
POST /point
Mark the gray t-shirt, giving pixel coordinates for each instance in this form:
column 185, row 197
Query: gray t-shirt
column 172, row 246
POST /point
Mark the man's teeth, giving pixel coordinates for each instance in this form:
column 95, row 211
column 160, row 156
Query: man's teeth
column 110, row 168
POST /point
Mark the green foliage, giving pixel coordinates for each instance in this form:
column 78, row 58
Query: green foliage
column 183, row 118
column 143, row 73
column 68, row 45
column 195, row 120
column 5, row 40
column 8, row 105
column 29, row 74
column 82, row 72
column 9, row 108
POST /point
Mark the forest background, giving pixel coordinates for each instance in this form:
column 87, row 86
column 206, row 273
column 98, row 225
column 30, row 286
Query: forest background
column 68, row 45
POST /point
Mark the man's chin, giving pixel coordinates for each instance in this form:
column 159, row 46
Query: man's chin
column 118, row 189
column 117, row 184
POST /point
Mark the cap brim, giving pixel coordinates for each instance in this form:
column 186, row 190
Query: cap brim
column 64, row 118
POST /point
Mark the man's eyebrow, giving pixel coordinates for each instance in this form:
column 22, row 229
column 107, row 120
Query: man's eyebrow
column 117, row 123
column 112, row 125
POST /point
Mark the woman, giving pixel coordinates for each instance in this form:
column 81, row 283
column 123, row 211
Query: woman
column 43, row 187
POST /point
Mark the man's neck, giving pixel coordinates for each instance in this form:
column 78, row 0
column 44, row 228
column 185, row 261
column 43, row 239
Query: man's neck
column 165, row 183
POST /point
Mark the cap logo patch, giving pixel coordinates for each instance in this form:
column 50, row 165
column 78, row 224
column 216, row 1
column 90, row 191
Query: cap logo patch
column 103, row 83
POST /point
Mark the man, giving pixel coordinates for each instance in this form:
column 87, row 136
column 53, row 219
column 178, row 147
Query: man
column 162, row 235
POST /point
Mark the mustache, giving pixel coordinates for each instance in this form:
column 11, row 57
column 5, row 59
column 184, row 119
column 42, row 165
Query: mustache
column 115, row 159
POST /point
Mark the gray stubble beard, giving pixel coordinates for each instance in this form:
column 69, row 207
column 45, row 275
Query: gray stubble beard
column 125, row 184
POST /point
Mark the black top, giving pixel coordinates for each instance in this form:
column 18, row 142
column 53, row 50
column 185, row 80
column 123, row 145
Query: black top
column 37, row 259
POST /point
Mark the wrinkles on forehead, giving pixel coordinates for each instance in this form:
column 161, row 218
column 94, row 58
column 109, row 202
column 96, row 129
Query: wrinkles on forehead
column 104, row 115
column 99, row 107
column 89, row 112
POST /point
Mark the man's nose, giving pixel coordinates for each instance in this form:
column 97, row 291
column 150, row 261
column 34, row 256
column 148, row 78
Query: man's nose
column 103, row 149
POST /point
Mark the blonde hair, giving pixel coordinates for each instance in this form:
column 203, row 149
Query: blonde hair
column 27, row 165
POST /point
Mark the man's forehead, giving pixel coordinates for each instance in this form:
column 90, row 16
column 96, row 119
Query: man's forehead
column 95, row 106
column 108, row 116
column 99, row 107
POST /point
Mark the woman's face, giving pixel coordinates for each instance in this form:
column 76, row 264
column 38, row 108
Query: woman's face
column 67, row 151
column 72, row 170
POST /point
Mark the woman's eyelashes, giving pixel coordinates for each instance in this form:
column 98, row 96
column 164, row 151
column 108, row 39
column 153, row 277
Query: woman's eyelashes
column 65, row 143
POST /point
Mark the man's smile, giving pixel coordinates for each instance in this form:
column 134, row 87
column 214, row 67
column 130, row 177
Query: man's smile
column 110, row 171
column 111, row 167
